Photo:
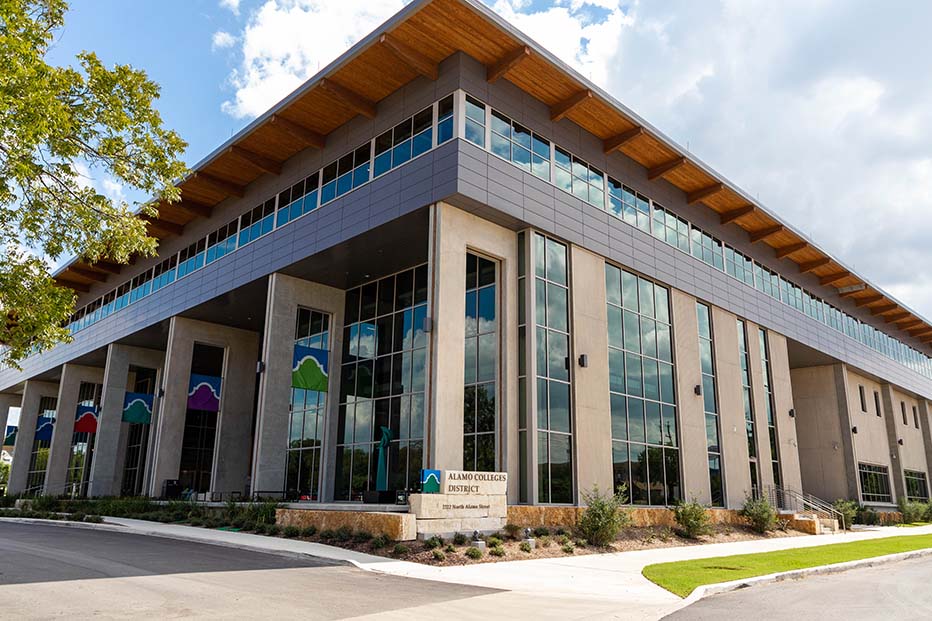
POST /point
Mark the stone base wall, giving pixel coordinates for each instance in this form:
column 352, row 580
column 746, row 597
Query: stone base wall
column 395, row 526
column 527, row 516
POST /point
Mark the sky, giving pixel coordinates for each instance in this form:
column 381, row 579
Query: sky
column 822, row 109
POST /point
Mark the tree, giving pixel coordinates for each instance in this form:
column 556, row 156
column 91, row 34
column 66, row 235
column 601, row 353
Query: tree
column 55, row 124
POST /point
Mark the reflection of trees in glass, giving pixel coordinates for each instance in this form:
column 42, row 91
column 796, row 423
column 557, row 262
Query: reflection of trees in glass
column 4, row 473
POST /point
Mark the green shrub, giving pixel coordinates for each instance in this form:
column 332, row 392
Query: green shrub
column 449, row 549
column 76, row 517
column 512, row 530
column 867, row 516
column 197, row 521
column 45, row 504
column 525, row 546
column 378, row 542
column 912, row 511
column 544, row 542
column 759, row 514
column 564, row 539
column 459, row 539
column 474, row 553
column 93, row 519
column 400, row 549
column 327, row 535
column 433, row 543
column 568, row 547
column 494, row 542
column 362, row 536
column 309, row 531
column 439, row 555
column 541, row 531
column 291, row 532
column 603, row 517
column 848, row 510
column 260, row 512
column 497, row 551
column 580, row 543
column 236, row 523
column 343, row 534
column 692, row 518
column 273, row 530
column 249, row 526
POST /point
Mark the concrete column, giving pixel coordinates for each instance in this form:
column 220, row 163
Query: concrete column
column 783, row 403
column 60, row 452
column 109, row 445
column 760, row 407
column 234, row 423
column 924, row 424
column 28, row 413
column 735, row 458
column 593, row 422
column 694, row 450
column 846, row 422
column 7, row 401
column 891, row 417
column 454, row 233
column 286, row 294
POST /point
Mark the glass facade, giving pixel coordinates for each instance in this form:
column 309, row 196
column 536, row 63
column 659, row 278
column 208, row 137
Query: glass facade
column 524, row 346
column 381, row 413
column 875, row 483
column 713, row 431
column 200, row 426
column 552, row 340
column 82, row 445
column 134, row 464
column 771, row 407
column 481, row 364
column 308, row 411
column 748, row 401
column 39, row 457
column 642, row 389
column 917, row 488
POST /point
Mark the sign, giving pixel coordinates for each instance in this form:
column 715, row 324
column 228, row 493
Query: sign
column 85, row 419
column 430, row 481
column 44, row 427
column 310, row 368
column 474, row 483
column 9, row 438
column 204, row 393
column 453, row 501
column 137, row 407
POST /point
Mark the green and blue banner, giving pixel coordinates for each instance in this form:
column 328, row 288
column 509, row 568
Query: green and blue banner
column 310, row 369
column 9, row 438
column 44, row 427
column 204, row 393
column 137, row 407
column 85, row 419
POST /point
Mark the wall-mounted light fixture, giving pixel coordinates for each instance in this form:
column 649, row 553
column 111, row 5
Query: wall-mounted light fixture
column 584, row 360
column 698, row 390
column 854, row 430
column 900, row 441
column 792, row 412
column 260, row 367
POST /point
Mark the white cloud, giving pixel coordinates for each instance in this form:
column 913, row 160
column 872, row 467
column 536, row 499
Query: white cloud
column 230, row 5
column 222, row 40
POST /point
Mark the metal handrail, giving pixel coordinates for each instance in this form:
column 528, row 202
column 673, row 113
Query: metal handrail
column 805, row 503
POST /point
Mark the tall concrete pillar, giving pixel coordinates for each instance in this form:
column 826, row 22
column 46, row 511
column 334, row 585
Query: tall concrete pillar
column 454, row 233
column 924, row 424
column 107, row 467
column 735, row 458
column 592, row 420
column 891, row 414
column 783, row 403
column 237, row 391
column 7, row 401
column 28, row 413
column 285, row 295
column 694, row 450
column 60, row 451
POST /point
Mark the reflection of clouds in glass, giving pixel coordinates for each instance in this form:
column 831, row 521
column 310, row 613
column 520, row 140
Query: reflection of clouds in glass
column 366, row 340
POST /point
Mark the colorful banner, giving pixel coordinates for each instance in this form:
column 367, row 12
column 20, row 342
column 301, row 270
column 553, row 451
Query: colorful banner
column 204, row 393
column 44, row 427
column 137, row 407
column 430, row 481
column 310, row 368
column 9, row 438
column 85, row 419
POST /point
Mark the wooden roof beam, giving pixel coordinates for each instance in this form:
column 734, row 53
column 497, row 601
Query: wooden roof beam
column 107, row 266
column 730, row 216
column 351, row 99
column 221, row 185
column 661, row 170
column 704, row 193
column 263, row 163
column 616, row 142
column 87, row 273
column 409, row 56
column 883, row 308
column 833, row 278
column 770, row 231
column 505, row 64
column 295, row 130
column 785, row 251
column 808, row 266
column 559, row 111
column 80, row 287
column 909, row 323
column 193, row 208
column 898, row 316
column 161, row 226
column 868, row 300
column 918, row 332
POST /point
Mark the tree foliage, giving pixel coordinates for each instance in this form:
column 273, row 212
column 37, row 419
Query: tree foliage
column 58, row 125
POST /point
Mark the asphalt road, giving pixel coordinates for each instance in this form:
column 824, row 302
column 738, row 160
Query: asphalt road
column 890, row 591
column 50, row 571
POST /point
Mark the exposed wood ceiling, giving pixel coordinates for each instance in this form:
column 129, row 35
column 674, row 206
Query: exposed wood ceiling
column 413, row 45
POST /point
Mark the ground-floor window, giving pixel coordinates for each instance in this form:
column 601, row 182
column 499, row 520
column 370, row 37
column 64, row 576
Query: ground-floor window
column 481, row 364
column 82, row 440
column 875, row 483
column 380, row 426
column 200, row 425
column 137, row 444
column 917, row 489
column 42, row 441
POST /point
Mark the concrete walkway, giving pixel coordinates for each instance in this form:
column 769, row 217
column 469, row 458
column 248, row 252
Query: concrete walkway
column 612, row 579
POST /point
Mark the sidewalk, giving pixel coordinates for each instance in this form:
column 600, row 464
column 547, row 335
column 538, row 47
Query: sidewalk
column 611, row 580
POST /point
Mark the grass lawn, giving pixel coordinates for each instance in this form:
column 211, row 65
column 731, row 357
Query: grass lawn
column 682, row 577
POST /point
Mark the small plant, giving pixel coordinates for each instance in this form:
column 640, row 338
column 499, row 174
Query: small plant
column 474, row 553
column 868, row 516
column 93, row 519
column 248, row 526
column 498, row 551
column 692, row 518
column 361, row 536
column 377, row 543
column 541, row 531
column 344, row 534
column 568, row 547
column 564, row 539
column 580, row 543
column 76, row 517
column 439, row 555
column 494, row 542
column 912, row 511
column 449, row 549
column 544, row 542
column 848, row 510
column 525, row 547
column 433, row 543
column 603, row 517
column 400, row 549
column 759, row 514
column 291, row 532
column 327, row 535
column 196, row 521
column 783, row 525
column 512, row 530
column 459, row 539
column 309, row 531
column 559, row 531
column 273, row 530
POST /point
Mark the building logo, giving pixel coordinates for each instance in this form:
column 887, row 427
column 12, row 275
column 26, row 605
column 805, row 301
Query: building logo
column 430, row 481
column 310, row 368
column 85, row 419
column 44, row 427
column 137, row 407
column 204, row 393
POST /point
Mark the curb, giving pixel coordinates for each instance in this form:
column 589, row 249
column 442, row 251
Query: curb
column 708, row 590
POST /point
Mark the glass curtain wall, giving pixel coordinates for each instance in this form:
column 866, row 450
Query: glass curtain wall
column 481, row 364
column 524, row 450
column 645, row 453
column 39, row 458
column 200, row 426
column 381, row 413
column 713, row 432
column 134, row 465
column 771, row 407
column 82, row 444
column 747, row 396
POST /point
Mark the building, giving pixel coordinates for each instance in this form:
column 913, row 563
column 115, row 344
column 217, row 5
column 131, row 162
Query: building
column 448, row 250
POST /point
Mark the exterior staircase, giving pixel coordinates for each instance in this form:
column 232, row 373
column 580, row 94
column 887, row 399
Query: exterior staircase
column 806, row 512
